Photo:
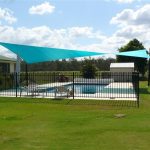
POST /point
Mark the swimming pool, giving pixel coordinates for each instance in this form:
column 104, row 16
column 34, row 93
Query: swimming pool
column 95, row 88
column 83, row 88
column 87, row 89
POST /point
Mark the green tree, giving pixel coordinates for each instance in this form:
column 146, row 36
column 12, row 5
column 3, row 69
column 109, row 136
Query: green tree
column 89, row 69
column 102, row 64
column 140, row 63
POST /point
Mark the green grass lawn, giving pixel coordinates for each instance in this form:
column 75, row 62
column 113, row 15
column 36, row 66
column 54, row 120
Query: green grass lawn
column 43, row 124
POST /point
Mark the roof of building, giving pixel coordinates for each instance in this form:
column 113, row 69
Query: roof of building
column 122, row 65
column 4, row 58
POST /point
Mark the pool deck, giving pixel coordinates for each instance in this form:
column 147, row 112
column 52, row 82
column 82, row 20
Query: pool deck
column 90, row 97
column 120, row 85
column 51, row 85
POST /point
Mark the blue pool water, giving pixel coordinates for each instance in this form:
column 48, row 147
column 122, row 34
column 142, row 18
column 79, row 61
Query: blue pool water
column 83, row 88
column 86, row 89
column 95, row 88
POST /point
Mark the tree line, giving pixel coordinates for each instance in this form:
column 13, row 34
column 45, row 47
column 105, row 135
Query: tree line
column 102, row 64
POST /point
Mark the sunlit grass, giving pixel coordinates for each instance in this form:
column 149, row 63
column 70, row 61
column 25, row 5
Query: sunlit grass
column 29, row 124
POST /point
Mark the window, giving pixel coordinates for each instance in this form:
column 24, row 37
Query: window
column 4, row 67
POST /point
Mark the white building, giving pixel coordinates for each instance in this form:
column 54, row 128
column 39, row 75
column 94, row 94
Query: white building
column 122, row 67
column 122, row 72
column 7, row 65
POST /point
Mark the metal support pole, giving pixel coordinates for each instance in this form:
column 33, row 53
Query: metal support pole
column 18, row 69
column 73, row 85
column 138, row 90
column 16, row 84
column 149, row 69
column 26, row 75
column 5, row 81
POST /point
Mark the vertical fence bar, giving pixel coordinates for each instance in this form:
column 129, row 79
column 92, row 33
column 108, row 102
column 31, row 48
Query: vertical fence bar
column 26, row 75
column 5, row 82
column 20, row 90
column 16, row 83
column 54, row 76
column 138, row 91
column 73, row 85
column 149, row 70
column 134, row 91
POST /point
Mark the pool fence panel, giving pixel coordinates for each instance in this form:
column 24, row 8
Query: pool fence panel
column 105, row 85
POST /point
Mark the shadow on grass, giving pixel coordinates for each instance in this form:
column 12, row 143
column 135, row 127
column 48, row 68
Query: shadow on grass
column 144, row 91
column 116, row 103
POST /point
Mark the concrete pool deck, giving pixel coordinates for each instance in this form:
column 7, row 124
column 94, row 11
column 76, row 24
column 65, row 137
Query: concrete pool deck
column 52, row 85
column 120, row 85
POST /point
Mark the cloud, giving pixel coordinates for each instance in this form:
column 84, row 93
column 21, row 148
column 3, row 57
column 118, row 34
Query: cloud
column 45, row 36
column 139, row 32
column 44, row 8
column 133, row 24
column 80, row 31
column 123, row 1
column 69, row 38
column 140, row 16
column 7, row 16
column 60, row 38
column 126, row 1
column 131, row 32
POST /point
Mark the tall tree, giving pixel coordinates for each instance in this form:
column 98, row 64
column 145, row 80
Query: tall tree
column 89, row 69
column 140, row 63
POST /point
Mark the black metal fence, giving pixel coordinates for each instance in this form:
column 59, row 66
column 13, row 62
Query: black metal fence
column 105, row 86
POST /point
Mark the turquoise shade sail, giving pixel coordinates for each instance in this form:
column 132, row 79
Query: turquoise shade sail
column 137, row 53
column 34, row 54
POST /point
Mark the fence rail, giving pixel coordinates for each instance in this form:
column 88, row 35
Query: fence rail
column 105, row 86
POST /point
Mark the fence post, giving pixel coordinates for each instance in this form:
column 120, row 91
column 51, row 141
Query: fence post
column 138, row 91
column 26, row 75
column 16, row 83
column 54, row 76
column 149, row 71
column 5, row 81
column 73, row 85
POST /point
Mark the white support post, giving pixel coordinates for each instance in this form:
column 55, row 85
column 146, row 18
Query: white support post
column 18, row 64
column 18, row 69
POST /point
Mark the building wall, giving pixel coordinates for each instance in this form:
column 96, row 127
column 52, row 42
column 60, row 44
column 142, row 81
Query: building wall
column 12, row 67
column 122, row 69
column 122, row 74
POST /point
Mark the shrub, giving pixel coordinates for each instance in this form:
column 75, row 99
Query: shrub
column 89, row 70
